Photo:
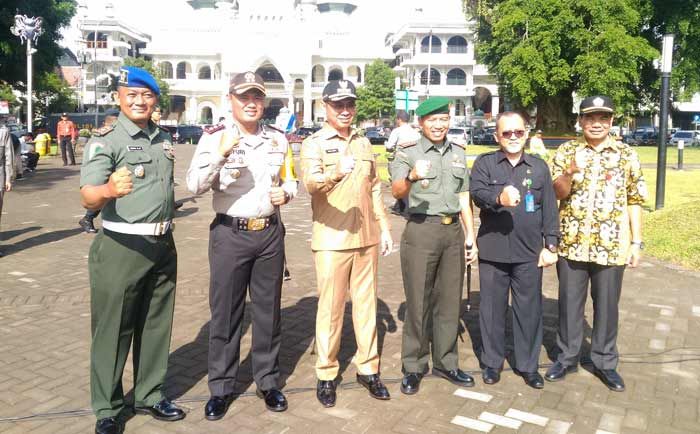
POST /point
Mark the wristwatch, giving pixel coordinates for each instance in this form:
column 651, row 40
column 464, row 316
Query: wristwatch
column 639, row 243
column 552, row 248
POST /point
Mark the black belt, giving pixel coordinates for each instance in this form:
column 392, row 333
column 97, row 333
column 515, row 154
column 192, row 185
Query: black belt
column 246, row 224
column 448, row 219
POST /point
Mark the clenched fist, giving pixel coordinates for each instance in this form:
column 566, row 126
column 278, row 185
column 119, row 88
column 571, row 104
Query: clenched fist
column 228, row 142
column 120, row 183
column 345, row 165
column 510, row 196
column 278, row 196
column 420, row 170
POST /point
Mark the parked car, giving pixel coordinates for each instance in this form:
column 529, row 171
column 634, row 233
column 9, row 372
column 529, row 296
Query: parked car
column 459, row 135
column 300, row 134
column 376, row 135
column 184, row 133
column 644, row 136
column 689, row 138
column 486, row 137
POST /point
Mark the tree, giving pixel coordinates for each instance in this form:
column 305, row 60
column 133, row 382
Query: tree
column 376, row 97
column 7, row 94
column 140, row 62
column 542, row 51
column 13, row 61
column 53, row 95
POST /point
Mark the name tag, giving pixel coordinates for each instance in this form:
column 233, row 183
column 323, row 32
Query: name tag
column 458, row 164
column 275, row 158
column 332, row 151
column 135, row 148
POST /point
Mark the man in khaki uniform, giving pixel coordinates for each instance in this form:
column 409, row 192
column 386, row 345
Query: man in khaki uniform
column 349, row 223
column 7, row 171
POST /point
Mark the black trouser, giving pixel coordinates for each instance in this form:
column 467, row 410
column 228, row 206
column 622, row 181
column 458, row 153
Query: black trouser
column 238, row 261
column 67, row 147
column 606, row 286
column 432, row 265
column 91, row 214
column 525, row 281
column 32, row 160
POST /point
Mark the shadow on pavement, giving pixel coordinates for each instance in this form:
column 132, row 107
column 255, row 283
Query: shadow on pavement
column 46, row 177
column 48, row 237
column 4, row 236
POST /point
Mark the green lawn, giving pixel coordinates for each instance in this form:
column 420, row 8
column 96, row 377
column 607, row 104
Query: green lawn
column 671, row 234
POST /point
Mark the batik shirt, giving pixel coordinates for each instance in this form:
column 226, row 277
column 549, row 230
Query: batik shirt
column 595, row 224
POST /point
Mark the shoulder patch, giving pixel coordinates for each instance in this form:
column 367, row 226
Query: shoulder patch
column 407, row 145
column 103, row 131
column 214, row 128
column 274, row 128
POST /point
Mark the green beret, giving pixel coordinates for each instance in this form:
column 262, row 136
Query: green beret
column 434, row 105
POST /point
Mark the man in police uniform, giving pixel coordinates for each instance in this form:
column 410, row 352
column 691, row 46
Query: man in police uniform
column 601, row 189
column 349, row 223
column 7, row 170
column 244, row 165
column 433, row 174
column 518, row 235
column 132, row 262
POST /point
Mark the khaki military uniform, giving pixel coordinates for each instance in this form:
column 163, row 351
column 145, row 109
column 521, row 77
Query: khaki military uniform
column 132, row 265
column 347, row 219
column 432, row 254
column 7, row 171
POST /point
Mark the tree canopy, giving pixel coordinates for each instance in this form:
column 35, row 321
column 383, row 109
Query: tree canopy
column 542, row 51
column 13, row 60
column 376, row 97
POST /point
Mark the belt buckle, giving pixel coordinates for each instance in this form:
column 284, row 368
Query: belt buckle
column 159, row 229
column 256, row 224
column 446, row 220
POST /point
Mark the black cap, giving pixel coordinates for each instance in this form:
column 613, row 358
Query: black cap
column 597, row 103
column 64, row 114
column 240, row 83
column 336, row 90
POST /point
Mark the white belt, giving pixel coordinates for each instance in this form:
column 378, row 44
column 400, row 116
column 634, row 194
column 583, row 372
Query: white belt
column 138, row 228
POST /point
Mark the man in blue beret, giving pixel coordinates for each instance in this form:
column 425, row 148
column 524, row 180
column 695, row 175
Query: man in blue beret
column 128, row 174
column 437, row 242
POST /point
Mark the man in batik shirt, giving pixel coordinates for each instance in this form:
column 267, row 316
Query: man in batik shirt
column 600, row 185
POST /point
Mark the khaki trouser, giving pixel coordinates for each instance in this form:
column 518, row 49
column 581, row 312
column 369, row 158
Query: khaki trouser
column 336, row 272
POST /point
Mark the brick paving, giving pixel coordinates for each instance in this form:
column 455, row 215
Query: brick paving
column 45, row 329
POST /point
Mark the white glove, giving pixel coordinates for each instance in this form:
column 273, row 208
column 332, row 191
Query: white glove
column 386, row 243
column 346, row 164
column 422, row 168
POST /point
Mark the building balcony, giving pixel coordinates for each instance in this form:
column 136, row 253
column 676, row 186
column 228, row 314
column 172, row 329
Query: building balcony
column 216, row 87
column 437, row 59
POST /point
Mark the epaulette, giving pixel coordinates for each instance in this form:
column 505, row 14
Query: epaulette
column 407, row 145
column 103, row 131
column 272, row 127
column 459, row 145
column 214, row 128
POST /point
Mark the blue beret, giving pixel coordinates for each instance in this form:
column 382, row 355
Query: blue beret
column 434, row 105
column 131, row 76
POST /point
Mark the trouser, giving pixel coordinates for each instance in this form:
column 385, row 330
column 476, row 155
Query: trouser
column 67, row 150
column 606, row 286
column 525, row 281
column 2, row 196
column 240, row 261
column 32, row 160
column 432, row 265
column 92, row 214
column 336, row 272
column 132, row 282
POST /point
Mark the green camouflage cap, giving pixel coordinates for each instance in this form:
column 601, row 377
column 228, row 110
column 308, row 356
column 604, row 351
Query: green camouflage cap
column 434, row 105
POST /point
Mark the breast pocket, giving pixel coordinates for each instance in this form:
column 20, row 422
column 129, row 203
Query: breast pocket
column 330, row 161
column 367, row 167
column 431, row 182
column 140, row 164
column 459, row 174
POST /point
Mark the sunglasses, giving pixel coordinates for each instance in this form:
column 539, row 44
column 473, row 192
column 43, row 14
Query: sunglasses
column 509, row 134
column 338, row 106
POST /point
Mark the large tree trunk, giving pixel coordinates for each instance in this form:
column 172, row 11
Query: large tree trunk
column 554, row 113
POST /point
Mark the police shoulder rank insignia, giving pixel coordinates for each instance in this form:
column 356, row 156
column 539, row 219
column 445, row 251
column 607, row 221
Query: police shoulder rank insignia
column 214, row 128
column 103, row 131
column 407, row 145
column 139, row 171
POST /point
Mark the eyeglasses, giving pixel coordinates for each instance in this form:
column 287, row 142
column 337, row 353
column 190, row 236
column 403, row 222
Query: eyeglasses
column 509, row 134
column 342, row 106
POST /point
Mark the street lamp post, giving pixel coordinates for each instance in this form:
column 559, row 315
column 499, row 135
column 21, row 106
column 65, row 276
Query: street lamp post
column 28, row 29
column 666, row 66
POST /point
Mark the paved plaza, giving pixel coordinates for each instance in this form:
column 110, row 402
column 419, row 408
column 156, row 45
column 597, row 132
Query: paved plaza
column 45, row 340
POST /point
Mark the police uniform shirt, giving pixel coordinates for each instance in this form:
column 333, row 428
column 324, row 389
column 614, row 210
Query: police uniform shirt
column 511, row 234
column 437, row 193
column 149, row 155
column 241, row 183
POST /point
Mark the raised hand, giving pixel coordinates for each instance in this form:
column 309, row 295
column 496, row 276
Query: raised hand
column 120, row 183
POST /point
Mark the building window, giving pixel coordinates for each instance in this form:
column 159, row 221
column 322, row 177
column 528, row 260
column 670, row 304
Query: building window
column 457, row 44
column 166, row 70
column 204, row 73
column 270, row 74
column 101, row 40
column 425, row 44
column 183, row 68
column 459, row 107
column 318, row 74
column 434, row 76
column 456, row 77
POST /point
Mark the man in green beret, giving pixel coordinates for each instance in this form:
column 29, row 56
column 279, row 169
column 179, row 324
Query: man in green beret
column 437, row 242
column 132, row 261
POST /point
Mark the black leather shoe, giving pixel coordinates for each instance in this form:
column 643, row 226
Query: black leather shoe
column 611, row 379
column 274, row 399
column 325, row 393
column 457, row 377
column 532, row 379
column 558, row 371
column 108, row 425
column 375, row 386
column 411, row 383
column 217, row 406
column 162, row 410
column 87, row 225
column 491, row 375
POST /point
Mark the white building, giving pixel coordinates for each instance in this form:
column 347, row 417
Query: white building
column 297, row 46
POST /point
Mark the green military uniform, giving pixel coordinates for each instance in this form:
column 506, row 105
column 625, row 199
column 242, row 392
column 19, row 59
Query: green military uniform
column 432, row 254
column 132, row 275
